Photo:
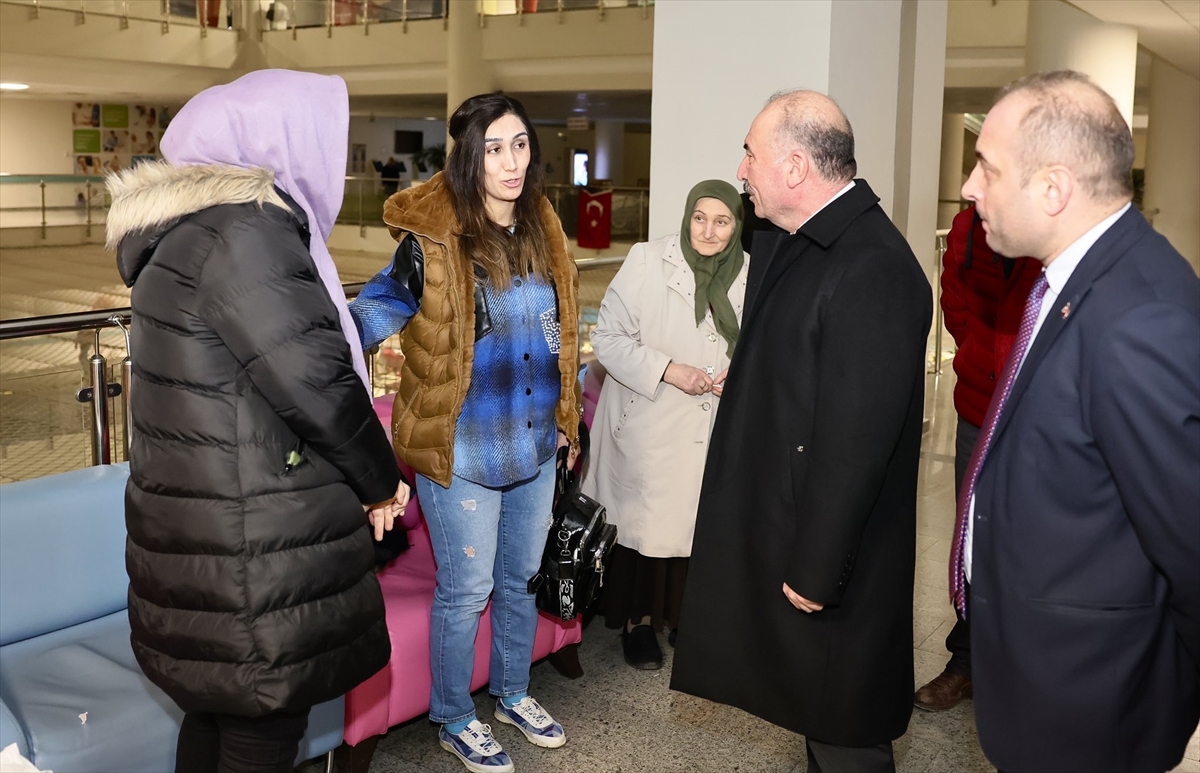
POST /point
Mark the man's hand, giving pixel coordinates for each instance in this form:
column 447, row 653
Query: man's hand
column 685, row 378
column 572, row 455
column 801, row 603
column 718, row 386
column 382, row 515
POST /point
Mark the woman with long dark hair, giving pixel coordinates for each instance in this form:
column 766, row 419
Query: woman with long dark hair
column 483, row 287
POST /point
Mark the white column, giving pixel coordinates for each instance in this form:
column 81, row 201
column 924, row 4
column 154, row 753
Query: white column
column 609, row 163
column 919, row 127
column 1061, row 36
column 1172, row 197
column 951, row 179
column 467, row 74
column 701, row 106
column 882, row 60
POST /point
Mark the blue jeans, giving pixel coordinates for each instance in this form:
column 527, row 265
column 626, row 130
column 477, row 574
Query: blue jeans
column 483, row 538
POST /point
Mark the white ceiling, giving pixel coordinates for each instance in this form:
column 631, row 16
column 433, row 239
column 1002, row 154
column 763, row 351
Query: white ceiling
column 1168, row 28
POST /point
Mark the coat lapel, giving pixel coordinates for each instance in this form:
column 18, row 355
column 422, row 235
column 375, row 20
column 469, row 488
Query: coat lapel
column 774, row 253
column 1108, row 249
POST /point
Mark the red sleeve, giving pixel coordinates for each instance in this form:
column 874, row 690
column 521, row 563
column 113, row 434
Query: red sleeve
column 954, row 293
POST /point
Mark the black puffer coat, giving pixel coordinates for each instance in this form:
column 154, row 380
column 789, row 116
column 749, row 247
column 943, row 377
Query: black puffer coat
column 251, row 580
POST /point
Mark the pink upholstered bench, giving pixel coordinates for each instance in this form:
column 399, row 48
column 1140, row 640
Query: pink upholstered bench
column 400, row 691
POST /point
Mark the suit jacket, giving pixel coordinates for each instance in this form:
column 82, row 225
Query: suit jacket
column 812, row 480
column 1085, row 594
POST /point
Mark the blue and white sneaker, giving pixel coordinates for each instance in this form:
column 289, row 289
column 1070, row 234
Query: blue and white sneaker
column 531, row 719
column 477, row 749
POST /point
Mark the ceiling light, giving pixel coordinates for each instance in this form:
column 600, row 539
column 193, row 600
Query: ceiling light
column 13, row 86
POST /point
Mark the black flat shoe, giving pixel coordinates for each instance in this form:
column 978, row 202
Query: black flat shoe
column 641, row 648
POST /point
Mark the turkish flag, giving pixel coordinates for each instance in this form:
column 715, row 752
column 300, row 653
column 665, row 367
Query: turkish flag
column 595, row 219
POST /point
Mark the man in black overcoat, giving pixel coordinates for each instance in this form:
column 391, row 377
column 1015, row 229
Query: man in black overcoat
column 798, row 605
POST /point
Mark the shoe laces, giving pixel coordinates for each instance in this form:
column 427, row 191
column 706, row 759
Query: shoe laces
column 532, row 711
column 482, row 735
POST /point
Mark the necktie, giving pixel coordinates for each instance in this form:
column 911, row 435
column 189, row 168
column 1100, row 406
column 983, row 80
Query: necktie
column 958, row 579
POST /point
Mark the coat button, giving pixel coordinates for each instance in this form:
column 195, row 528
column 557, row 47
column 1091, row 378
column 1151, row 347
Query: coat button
column 712, row 337
column 800, row 449
column 706, row 407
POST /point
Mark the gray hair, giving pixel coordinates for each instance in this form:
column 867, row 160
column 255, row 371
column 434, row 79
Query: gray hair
column 812, row 121
column 1075, row 123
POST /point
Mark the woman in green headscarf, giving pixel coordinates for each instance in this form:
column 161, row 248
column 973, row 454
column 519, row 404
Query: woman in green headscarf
column 666, row 332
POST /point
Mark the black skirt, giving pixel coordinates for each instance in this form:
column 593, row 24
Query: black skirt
column 636, row 586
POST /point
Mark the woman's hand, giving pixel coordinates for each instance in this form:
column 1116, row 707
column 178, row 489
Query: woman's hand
column 382, row 515
column 572, row 455
column 685, row 378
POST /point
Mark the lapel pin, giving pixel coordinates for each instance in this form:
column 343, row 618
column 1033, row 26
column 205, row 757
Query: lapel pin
column 1066, row 311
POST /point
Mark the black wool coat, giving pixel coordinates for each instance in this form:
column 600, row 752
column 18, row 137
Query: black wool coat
column 251, row 581
column 811, row 480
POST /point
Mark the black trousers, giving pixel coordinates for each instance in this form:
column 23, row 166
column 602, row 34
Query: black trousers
column 221, row 743
column 828, row 758
column 958, row 641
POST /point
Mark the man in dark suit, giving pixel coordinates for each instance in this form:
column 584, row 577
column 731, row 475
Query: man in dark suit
column 798, row 606
column 1080, row 513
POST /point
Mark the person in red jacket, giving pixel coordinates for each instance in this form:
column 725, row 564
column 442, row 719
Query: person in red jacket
column 983, row 297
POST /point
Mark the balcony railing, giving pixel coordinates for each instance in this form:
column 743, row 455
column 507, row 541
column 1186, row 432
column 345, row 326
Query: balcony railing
column 363, row 206
column 64, row 381
column 302, row 14
column 41, row 201
column 202, row 14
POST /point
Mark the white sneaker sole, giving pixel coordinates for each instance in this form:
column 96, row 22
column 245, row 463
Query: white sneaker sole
column 533, row 738
column 475, row 767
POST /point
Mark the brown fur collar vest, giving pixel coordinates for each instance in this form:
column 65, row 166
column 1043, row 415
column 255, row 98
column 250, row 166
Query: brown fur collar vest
column 439, row 341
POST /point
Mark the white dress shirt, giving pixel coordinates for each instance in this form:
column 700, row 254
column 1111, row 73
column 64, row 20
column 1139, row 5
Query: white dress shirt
column 1057, row 274
column 835, row 197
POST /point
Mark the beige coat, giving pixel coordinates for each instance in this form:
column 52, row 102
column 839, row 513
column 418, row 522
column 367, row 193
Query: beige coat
column 649, row 439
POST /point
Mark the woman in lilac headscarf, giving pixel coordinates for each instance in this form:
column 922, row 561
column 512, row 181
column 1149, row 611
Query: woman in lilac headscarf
column 255, row 450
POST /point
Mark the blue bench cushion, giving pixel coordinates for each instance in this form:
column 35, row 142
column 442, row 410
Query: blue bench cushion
column 62, row 551
column 131, row 725
column 49, row 681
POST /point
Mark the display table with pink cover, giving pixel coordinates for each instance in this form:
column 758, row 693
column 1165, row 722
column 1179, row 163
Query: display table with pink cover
column 400, row 691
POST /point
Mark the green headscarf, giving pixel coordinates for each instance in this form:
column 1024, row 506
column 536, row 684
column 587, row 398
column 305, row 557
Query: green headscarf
column 714, row 275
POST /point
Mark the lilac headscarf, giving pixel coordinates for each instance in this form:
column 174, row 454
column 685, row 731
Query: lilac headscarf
column 293, row 123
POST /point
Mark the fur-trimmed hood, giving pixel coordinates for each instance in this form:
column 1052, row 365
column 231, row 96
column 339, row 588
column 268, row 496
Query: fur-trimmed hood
column 149, row 199
column 425, row 210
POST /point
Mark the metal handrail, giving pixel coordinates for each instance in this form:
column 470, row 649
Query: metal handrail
column 99, row 389
column 84, row 11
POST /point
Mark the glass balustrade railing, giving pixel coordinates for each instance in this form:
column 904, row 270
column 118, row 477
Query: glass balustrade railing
column 302, row 14
column 204, row 14
column 41, row 201
column 364, row 197
column 62, row 398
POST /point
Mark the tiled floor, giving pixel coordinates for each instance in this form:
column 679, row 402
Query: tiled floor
column 617, row 719
column 622, row 720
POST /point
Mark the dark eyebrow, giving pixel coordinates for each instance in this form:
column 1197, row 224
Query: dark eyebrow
column 501, row 139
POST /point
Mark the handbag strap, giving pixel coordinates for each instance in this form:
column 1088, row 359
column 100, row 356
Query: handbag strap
column 566, row 480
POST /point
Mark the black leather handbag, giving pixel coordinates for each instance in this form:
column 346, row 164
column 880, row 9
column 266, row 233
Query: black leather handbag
column 579, row 545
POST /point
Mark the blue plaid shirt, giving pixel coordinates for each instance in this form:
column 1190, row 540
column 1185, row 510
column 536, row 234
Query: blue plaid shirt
column 506, row 429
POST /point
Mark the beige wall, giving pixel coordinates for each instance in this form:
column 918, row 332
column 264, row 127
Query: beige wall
column 1172, row 199
column 637, row 158
column 987, row 23
column 35, row 136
